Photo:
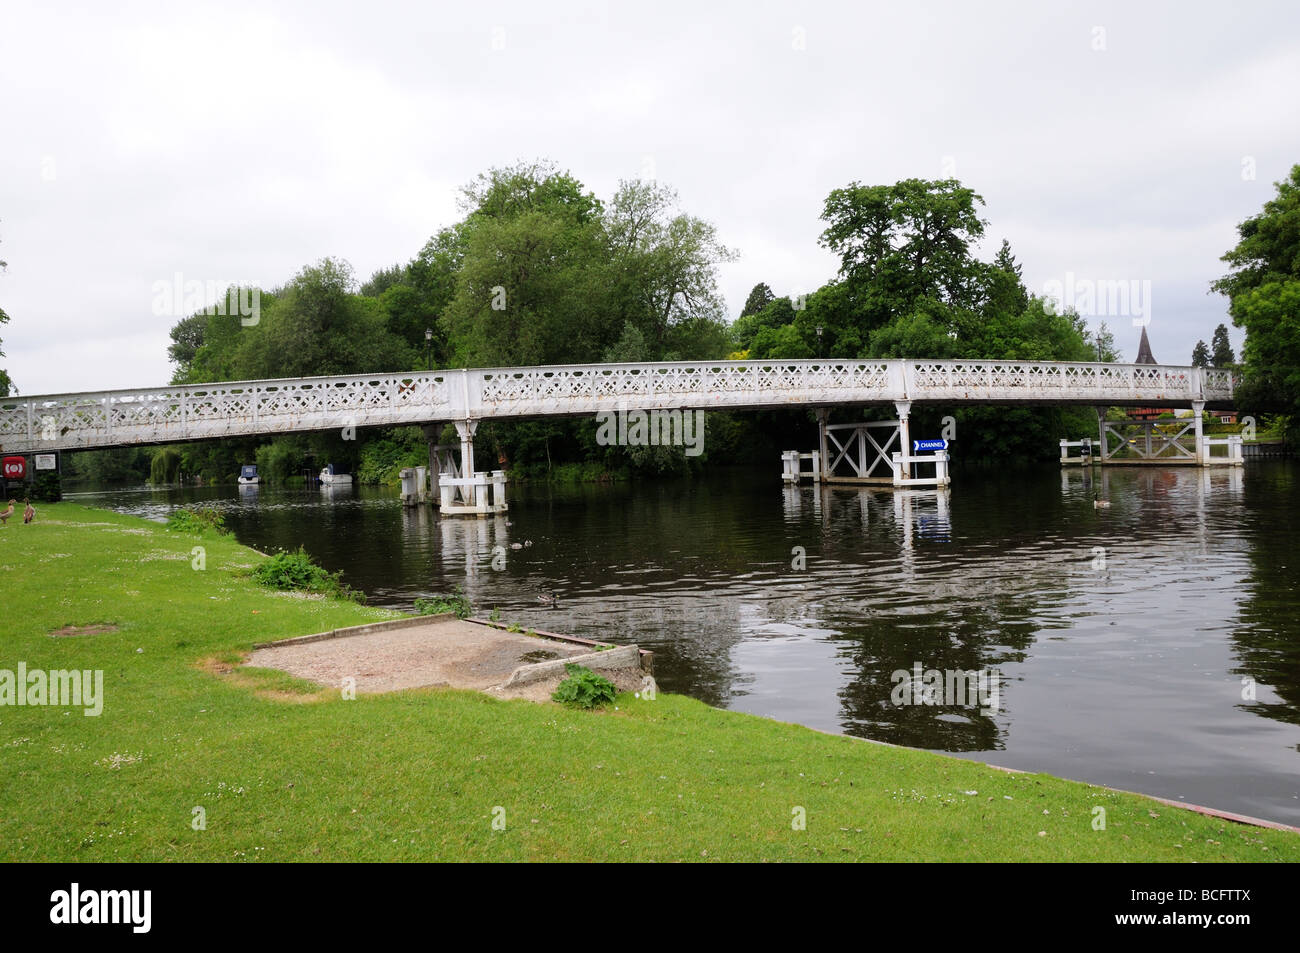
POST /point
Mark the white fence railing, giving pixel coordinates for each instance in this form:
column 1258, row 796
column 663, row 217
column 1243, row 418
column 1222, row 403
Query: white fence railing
column 242, row 408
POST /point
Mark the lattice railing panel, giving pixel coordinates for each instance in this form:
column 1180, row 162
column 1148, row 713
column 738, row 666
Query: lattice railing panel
column 201, row 411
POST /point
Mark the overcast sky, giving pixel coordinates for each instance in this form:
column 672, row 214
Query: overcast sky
column 232, row 142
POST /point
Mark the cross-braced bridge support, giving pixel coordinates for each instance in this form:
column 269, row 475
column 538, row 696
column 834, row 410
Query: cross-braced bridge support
column 862, row 452
column 1170, row 442
column 458, row 488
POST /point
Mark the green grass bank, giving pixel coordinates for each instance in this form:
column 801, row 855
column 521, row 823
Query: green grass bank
column 284, row 771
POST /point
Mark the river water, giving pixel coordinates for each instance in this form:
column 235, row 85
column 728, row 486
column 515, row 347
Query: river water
column 1152, row 646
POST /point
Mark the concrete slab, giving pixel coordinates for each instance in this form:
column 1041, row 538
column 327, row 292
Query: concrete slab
column 434, row 651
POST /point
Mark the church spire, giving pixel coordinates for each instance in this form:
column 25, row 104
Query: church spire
column 1144, row 350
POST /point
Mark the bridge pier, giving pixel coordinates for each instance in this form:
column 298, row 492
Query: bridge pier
column 1198, row 408
column 1161, row 442
column 904, row 408
column 460, row 490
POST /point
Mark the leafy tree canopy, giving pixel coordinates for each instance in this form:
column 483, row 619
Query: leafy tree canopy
column 1263, row 289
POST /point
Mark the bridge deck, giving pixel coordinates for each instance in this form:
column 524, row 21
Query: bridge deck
column 179, row 413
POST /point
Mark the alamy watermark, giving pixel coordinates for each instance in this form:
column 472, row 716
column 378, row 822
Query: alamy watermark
column 652, row 428
column 957, row 688
column 1106, row 297
column 179, row 298
column 59, row 688
column 76, row 905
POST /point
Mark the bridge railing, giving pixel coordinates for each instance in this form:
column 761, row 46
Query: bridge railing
column 600, row 386
column 1059, row 380
column 204, row 411
column 198, row 411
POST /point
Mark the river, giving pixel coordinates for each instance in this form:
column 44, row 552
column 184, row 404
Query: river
column 1152, row 646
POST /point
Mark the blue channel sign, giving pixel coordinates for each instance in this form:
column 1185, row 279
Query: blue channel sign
column 918, row 446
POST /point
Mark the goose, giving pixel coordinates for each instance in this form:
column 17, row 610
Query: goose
column 1098, row 503
column 549, row 599
column 29, row 511
column 516, row 545
column 4, row 517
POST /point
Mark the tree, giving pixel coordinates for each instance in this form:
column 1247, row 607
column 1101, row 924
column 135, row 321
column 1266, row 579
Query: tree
column 1201, row 355
column 760, row 296
column 528, row 290
column 187, row 337
column 663, row 262
column 775, row 314
column 383, row 279
column 903, row 242
column 1005, row 290
column 1263, row 290
column 1221, row 348
column 1103, row 344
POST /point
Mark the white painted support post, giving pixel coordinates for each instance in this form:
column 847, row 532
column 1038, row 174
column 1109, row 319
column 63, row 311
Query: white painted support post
column 940, row 460
column 1101, row 430
column 790, row 466
column 1198, row 408
column 465, row 430
column 904, row 408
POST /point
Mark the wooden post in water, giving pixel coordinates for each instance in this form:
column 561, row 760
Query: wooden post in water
column 823, row 413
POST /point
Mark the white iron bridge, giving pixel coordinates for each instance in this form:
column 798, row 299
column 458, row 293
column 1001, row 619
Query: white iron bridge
column 180, row 413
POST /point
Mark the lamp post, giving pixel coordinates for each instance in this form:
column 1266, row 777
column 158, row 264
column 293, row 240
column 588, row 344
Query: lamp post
column 428, row 348
column 819, row 340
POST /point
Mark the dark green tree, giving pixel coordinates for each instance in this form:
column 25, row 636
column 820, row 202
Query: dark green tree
column 1263, row 290
column 1200, row 355
column 1221, row 354
column 1005, row 290
column 903, row 242
column 383, row 279
column 760, row 296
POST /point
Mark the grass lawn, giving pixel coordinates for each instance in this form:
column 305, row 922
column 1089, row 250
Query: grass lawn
column 285, row 771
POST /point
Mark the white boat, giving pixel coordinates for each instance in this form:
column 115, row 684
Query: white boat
column 329, row 478
column 248, row 475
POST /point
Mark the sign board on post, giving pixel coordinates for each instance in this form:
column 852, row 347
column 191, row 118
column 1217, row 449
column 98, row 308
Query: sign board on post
column 919, row 446
column 14, row 468
column 47, row 461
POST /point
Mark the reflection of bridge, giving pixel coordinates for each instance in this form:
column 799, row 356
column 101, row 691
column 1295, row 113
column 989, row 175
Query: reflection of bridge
column 180, row 413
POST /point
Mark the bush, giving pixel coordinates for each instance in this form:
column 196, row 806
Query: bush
column 384, row 457
column 584, row 688
column 295, row 571
column 197, row 521
column 440, row 605
column 47, row 487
